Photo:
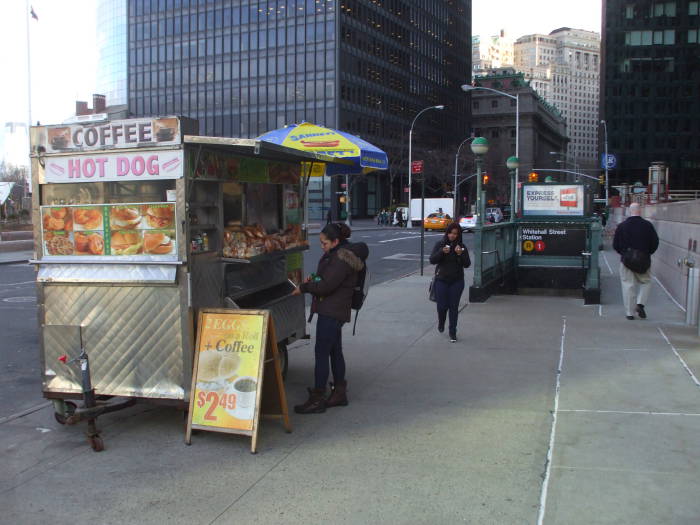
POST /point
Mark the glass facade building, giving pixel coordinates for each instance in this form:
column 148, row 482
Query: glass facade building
column 112, row 51
column 244, row 67
column 650, row 87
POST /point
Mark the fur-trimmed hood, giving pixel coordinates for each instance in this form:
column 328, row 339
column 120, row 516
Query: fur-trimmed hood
column 348, row 257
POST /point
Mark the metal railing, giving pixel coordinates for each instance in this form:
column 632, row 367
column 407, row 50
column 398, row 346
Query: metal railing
column 494, row 254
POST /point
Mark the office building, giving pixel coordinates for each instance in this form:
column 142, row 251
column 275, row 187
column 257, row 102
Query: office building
column 650, row 87
column 491, row 53
column 564, row 68
column 112, row 51
column 542, row 129
column 242, row 68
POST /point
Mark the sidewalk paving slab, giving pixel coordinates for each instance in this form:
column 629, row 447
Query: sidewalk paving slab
column 16, row 257
column 434, row 433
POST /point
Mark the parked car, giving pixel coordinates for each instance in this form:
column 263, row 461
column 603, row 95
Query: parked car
column 506, row 212
column 467, row 223
column 496, row 213
column 437, row 221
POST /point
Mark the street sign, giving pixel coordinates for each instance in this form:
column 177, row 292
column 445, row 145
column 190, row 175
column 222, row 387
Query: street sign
column 612, row 161
column 546, row 239
column 417, row 166
column 405, row 190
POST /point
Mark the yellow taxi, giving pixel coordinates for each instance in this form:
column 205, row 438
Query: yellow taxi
column 437, row 221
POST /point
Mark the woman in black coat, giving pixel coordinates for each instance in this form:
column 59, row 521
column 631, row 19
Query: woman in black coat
column 451, row 257
column 332, row 290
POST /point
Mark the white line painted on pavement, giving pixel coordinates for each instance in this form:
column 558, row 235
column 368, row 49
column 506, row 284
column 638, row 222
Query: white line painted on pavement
column 405, row 257
column 600, row 310
column 417, row 236
column 550, row 450
column 607, row 263
column 687, row 369
column 669, row 294
column 629, row 412
column 5, row 285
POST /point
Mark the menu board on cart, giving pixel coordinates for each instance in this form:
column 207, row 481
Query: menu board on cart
column 143, row 229
column 230, row 379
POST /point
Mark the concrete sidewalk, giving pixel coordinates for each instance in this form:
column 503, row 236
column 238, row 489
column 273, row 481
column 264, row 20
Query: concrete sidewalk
column 16, row 257
column 435, row 432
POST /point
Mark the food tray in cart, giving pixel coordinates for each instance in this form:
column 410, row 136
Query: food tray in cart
column 264, row 256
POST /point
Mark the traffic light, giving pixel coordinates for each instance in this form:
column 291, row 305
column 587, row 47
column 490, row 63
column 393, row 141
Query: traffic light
column 486, row 179
column 532, row 177
column 601, row 179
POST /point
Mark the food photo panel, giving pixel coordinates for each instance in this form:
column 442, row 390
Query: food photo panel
column 89, row 243
column 159, row 242
column 126, row 242
column 88, row 218
column 158, row 216
column 56, row 218
column 126, row 217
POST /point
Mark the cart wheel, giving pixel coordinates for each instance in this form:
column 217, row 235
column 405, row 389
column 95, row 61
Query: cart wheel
column 69, row 411
column 96, row 443
column 284, row 358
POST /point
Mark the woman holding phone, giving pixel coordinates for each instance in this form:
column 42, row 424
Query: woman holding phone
column 451, row 257
column 332, row 288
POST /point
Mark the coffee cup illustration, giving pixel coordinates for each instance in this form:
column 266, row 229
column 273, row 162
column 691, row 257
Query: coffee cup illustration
column 245, row 389
column 165, row 129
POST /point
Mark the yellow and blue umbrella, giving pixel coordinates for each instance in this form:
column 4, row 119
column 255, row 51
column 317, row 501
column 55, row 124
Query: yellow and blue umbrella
column 306, row 136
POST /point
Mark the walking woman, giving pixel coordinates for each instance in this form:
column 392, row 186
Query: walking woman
column 451, row 257
column 332, row 289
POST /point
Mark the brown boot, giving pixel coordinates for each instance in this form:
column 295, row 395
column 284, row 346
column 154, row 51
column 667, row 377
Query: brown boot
column 316, row 404
column 338, row 397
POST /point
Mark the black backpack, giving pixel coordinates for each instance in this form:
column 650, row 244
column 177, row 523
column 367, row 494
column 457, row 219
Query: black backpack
column 359, row 293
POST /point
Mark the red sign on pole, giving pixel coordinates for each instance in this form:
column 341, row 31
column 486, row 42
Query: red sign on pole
column 417, row 166
column 405, row 190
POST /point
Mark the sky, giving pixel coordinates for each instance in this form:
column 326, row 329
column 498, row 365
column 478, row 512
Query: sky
column 519, row 18
column 64, row 56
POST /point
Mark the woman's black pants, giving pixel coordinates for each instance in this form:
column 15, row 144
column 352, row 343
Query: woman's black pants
column 329, row 347
column 448, row 295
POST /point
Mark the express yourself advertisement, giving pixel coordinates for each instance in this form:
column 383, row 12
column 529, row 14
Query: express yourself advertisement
column 228, row 370
column 553, row 199
column 145, row 230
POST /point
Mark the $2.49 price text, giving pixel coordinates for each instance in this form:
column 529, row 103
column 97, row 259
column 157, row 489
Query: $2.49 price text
column 214, row 400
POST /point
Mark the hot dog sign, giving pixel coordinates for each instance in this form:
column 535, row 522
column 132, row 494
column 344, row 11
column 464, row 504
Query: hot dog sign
column 108, row 167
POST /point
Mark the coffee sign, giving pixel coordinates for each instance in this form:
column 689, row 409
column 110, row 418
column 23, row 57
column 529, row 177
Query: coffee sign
column 132, row 133
column 229, row 368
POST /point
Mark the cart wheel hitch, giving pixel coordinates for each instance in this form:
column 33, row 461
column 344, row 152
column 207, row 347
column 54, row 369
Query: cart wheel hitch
column 96, row 443
column 63, row 413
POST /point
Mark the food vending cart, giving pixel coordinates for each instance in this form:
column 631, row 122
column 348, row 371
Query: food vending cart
column 138, row 224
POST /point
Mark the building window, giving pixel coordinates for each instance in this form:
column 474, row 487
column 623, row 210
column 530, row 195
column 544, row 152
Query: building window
column 494, row 103
column 475, row 104
column 693, row 8
column 693, row 36
column 663, row 9
column 647, row 38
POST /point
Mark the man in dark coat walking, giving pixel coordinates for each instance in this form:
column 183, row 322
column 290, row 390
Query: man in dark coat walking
column 635, row 233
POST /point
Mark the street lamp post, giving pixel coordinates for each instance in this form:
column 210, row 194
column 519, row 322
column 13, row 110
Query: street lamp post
column 456, row 201
column 480, row 147
column 410, row 140
column 516, row 97
column 605, row 129
column 512, row 163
